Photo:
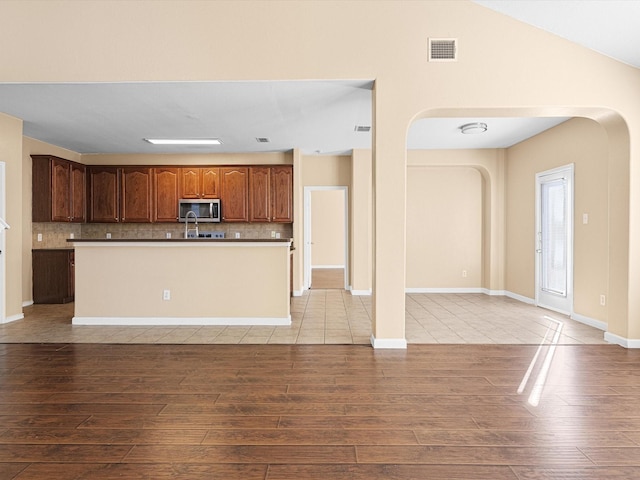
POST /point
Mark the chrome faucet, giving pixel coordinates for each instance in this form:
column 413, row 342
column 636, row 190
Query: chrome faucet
column 186, row 223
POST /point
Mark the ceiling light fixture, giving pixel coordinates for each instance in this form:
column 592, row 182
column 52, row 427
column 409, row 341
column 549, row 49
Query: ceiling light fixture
column 184, row 141
column 473, row 128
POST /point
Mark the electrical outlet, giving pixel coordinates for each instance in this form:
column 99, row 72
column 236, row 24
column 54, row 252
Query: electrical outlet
column 166, row 294
column 39, row 237
column 603, row 300
column 585, row 218
column 273, row 234
column 237, row 234
column 168, row 235
column 464, row 273
column 278, row 235
column 108, row 236
column 71, row 236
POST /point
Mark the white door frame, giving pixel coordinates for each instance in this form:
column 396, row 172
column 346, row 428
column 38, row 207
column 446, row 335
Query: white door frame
column 558, row 304
column 3, row 228
column 307, row 233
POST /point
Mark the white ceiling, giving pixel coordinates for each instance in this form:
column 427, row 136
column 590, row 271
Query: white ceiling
column 319, row 117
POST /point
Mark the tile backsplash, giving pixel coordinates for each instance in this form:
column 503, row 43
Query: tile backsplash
column 55, row 235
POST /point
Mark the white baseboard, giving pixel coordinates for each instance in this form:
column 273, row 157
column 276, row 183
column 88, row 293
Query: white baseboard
column 623, row 342
column 443, row 290
column 361, row 292
column 175, row 321
column 399, row 343
column 494, row 293
column 13, row 318
column 297, row 293
column 327, row 266
column 592, row 322
column 520, row 298
column 28, row 303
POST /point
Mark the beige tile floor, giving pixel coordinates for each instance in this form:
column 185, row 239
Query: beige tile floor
column 328, row 317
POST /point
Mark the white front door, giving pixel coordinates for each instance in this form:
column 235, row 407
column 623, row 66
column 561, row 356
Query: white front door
column 554, row 239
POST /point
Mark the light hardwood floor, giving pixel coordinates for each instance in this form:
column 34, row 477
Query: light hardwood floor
column 318, row 412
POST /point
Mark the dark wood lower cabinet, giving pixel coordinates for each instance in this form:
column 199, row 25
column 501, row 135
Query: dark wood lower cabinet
column 53, row 276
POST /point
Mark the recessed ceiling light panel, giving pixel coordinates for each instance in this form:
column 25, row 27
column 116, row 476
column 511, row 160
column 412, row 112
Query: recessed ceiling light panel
column 184, row 141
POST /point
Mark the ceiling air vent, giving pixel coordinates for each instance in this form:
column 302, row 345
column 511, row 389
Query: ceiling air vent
column 363, row 128
column 443, row 49
column 262, row 140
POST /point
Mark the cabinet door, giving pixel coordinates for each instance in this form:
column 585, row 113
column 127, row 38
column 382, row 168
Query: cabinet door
column 259, row 201
column 233, row 191
column 166, row 182
column 78, row 185
column 136, row 202
column 282, row 194
column 210, row 182
column 60, row 190
column 190, row 182
column 52, row 276
column 102, row 194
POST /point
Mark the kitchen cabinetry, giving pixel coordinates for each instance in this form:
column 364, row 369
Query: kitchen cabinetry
column 58, row 187
column 166, row 185
column 53, row 276
column 282, row 194
column 200, row 182
column 120, row 194
column 234, row 194
column 271, row 194
column 136, row 195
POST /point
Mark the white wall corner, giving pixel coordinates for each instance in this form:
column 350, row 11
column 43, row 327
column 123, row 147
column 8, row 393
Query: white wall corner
column 623, row 342
column 592, row 322
column 397, row 343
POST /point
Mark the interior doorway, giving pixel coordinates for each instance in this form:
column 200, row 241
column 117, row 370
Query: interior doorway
column 326, row 233
column 554, row 239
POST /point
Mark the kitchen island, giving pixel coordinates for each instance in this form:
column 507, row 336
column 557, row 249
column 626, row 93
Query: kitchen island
column 182, row 282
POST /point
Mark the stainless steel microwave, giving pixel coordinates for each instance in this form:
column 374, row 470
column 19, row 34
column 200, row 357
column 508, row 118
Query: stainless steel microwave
column 204, row 210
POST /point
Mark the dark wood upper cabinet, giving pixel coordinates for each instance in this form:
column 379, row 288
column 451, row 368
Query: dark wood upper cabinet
column 166, row 193
column 120, row 194
column 103, row 194
column 271, row 194
column 234, row 194
column 136, row 195
column 259, row 198
column 58, row 187
column 200, row 182
column 282, row 194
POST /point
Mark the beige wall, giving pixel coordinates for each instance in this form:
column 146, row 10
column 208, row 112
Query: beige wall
column 10, row 154
column 536, row 73
column 584, row 143
column 444, row 227
column 328, row 228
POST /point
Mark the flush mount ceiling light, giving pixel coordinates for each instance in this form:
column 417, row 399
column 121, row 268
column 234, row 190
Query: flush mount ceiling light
column 473, row 128
column 184, row 141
